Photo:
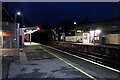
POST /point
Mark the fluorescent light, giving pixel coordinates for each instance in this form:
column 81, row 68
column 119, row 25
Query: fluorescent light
column 91, row 31
column 98, row 31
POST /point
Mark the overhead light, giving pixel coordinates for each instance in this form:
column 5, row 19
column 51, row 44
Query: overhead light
column 98, row 31
column 30, row 31
column 38, row 28
column 91, row 31
column 0, row 33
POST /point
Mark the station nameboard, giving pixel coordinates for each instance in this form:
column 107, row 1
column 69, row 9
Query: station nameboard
column 79, row 31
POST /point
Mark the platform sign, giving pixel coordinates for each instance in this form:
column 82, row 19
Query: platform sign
column 79, row 31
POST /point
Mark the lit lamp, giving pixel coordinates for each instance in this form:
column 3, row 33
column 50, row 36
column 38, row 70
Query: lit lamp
column 75, row 23
column 38, row 28
column 18, row 13
column 0, row 33
column 98, row 31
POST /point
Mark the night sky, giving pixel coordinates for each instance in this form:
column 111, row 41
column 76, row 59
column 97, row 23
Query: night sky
column 53, row 12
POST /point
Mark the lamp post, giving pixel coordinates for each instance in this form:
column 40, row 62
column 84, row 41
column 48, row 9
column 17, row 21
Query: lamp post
column 18, row 13
column 63, row 34
column 75, row 23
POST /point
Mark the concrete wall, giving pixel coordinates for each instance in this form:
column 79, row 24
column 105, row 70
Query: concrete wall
column 112, row 39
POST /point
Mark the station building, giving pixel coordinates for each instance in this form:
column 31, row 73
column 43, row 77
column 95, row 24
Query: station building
column 106, row 32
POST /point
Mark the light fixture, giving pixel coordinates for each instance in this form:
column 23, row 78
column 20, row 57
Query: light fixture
column 75, row 23
column 38, row 28
column 98, row 31
column 18, row 13
column 0, row 33
column 91, row 31
column 30, row 31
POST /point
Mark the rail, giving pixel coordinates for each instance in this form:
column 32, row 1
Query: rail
column 103, row 54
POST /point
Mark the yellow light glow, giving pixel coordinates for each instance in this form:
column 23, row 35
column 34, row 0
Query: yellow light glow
column 0, row 33
column 25, row 33
column 38, row 28
column 32, row 43
column 79, row 30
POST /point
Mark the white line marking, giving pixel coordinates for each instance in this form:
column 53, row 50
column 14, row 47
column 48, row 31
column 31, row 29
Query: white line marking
column 84, row 59
column 23, row 56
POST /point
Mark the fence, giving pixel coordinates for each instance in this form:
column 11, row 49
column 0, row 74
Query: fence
column 9, row 35
column 9, row 41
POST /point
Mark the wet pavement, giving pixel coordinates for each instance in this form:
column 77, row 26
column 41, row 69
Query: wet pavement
column 40, row 64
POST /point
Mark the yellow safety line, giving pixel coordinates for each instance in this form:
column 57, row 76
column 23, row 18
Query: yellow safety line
column 70, row 64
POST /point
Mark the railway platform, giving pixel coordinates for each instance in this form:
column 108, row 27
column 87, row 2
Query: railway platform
column 39, row 61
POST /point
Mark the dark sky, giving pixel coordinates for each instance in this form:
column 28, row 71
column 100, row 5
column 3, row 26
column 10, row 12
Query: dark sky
column 53, row 12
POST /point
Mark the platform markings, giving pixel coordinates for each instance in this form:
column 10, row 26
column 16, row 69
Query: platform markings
column 23, row 56
column 69, row 64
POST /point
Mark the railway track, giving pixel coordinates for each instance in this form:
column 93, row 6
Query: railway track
column 96, row 57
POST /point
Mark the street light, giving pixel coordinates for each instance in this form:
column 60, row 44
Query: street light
column 75, row 23
column 18, row 13
column 38, row 28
